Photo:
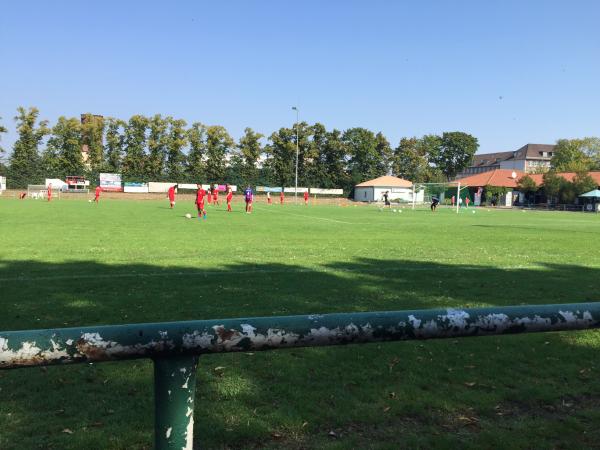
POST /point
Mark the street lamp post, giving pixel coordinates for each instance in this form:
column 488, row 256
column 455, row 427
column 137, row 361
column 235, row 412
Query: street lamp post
column 294, row 108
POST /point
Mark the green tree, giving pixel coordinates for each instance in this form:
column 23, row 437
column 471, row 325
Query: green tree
column 92, row 132
column 154, row 166
column 334, row 160
column 25, row 159
column 365, row 154
column 135, row 145
column 411, row 160
column 569, row 156
column 552, row 185
column 384, row 154
column 567, row 192
column 527, row 185
column 176, row 141
column 115, row 142
column 250, row 150
column 281, row 156
column 196, row 165
column 2, row 130
column 456, row 152
column 65, row 143
column 583, row 182
column 218, row 146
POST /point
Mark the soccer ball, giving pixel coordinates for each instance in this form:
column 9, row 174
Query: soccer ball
column 393, row 210
column 89, row 201
column 473, row 212
column 188, row 216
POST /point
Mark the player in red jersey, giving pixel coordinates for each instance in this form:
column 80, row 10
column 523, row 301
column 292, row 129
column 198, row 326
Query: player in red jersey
column 208, row 195
column 281, row 198
column 228, row 198
column 171, row 195
column 50, row 192
column 215, row 195
column 306, row 198
column 97, row 196
column 200, row 193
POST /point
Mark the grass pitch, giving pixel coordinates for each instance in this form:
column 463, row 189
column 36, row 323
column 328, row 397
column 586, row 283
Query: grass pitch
column 72, row 263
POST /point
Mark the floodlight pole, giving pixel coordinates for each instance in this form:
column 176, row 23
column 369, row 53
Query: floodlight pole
column 294, row 108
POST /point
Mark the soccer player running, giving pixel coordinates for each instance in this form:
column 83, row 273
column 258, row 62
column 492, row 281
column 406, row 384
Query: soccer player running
column 248, row 197
column 228, row 198
column 386, row 199
column 306, row 198
column 97, row 194
column 200, row 193
column 171, row 195
column 434, row 203
column 50, row 192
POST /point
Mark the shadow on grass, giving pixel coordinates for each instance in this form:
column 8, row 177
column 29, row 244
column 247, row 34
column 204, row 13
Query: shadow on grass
column 468, row 393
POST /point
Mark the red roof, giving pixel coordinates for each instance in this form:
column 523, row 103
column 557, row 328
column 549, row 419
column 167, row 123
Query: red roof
column 539, row 177
column 498, row 178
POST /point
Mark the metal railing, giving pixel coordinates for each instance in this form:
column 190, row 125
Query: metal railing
column 176, row 346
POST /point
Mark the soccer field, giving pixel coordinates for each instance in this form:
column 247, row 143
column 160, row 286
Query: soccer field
column 72, row 263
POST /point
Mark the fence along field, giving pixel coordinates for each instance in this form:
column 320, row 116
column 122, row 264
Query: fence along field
column 133, row 262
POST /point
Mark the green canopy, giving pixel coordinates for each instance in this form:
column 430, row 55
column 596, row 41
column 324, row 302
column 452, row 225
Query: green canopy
column 592, row 194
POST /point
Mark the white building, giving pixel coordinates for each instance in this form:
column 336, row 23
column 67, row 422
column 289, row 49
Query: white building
column 399, row 189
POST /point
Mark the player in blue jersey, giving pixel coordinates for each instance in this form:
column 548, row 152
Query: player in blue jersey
column 248, row 196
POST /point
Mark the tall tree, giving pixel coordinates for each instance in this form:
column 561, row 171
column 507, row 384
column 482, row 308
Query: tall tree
column 250, row 150
column 176, row 141
column 384, row 153
column 364, row 151
column 281, row 156
column 456, row 152
column 552, row 185
column 92, row 132
column 135, row 144
column 25, row 158
column 576, row 155
column 157, row 147
column 196, row 165
column 218, row 146
column 411, row 161
column 2, row 130
column 583, row 182
column 115, row 141
column 65, row 143
column 333, row 160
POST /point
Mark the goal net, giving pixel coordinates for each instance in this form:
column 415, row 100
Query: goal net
column 40, row 191
column 451, row 194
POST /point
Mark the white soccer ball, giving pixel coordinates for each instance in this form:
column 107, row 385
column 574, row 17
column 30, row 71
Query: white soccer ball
column 393, row 210
column 473, row 212
column 188, row 216
column 399, row 210
column 89, row 201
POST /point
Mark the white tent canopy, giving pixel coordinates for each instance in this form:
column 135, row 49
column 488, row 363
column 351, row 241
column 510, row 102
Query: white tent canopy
column 592, row 194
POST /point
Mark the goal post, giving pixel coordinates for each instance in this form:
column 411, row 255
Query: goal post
column 423, row 193
column 40, row 191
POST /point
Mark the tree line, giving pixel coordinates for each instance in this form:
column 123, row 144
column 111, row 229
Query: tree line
column 160, row 148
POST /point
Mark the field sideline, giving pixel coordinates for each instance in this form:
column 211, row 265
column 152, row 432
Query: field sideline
column 71, row 263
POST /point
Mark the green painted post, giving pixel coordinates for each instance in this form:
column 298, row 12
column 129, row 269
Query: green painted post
column 174, row 389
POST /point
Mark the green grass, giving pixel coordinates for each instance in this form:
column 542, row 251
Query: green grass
column 71, row 263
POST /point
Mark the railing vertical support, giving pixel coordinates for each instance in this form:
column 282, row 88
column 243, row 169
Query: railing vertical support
column 174, row 389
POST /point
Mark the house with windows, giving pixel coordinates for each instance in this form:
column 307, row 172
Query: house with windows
column 529, row 158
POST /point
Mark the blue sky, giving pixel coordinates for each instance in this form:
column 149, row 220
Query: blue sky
column 507, row 72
